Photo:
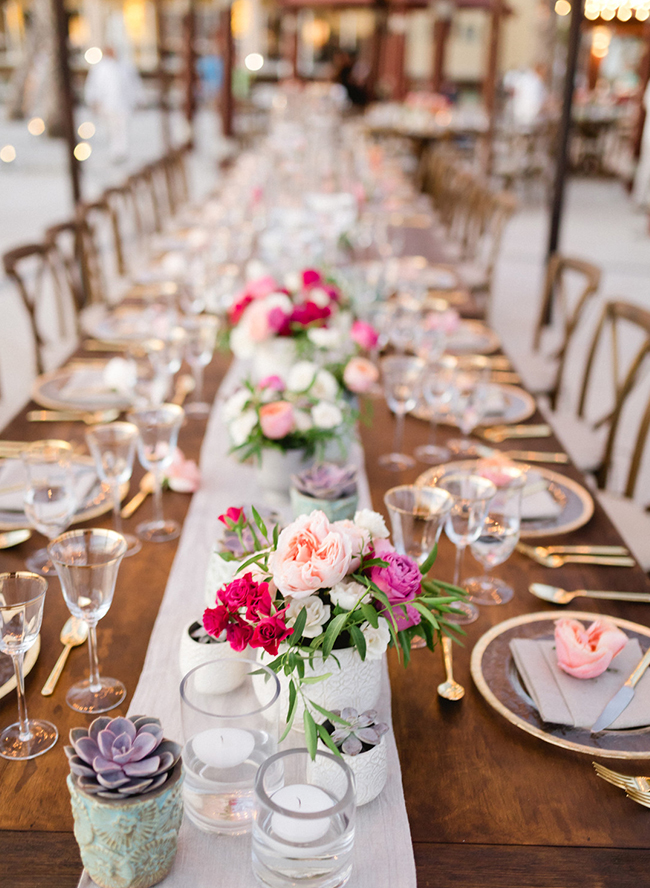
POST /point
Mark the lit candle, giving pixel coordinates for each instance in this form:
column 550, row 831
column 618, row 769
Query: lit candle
column 301, row 797
column 223, row 747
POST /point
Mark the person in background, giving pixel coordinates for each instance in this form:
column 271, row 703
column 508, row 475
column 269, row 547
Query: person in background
column 346, row 72
column 111, row 91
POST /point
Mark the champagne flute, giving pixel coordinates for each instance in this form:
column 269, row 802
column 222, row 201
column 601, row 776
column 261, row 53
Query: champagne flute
column 201, row 332
column 87, row 562
column 158, row 427
column 113, row 449
column 22, row 596
column 471, row 497
column 49, row 498
column 499, row 536
column 401, row 389
column 438, row 392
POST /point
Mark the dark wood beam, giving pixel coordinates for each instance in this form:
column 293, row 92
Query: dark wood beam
column 491, row 80
column 228, row 53
column 189, row 66
column 66, row 97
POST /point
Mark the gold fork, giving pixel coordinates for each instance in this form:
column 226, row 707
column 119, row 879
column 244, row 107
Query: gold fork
column 623, row 781
column 641, row 798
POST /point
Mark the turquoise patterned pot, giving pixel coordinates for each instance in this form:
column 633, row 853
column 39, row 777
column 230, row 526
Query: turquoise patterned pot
column 131, row 842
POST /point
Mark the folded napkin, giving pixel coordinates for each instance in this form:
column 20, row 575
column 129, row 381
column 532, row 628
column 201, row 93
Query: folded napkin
column 537, row 502
column 495, row 401
column 12, row 473
column 564, row 700
column 100, row 384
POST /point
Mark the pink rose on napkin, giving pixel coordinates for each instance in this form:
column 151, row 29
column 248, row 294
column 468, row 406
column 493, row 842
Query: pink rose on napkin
column 183, row 475
column 276, row 419
column 311, row 554
column 360, row 375
column 586, row 653
column 364, row 334
column 447, row 321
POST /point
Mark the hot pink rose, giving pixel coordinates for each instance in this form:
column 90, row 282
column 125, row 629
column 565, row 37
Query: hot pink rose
column 276, row 419
column 279, row 321
column 183, row 475
column 271, row 382
column 311, row 554
column 269, row 633
column 233, row 514
column 586, row 653
column 360, row 375
column 238, row 634
column 215, row 620
column 237, row 593
column 311, row 278
column 364, row 334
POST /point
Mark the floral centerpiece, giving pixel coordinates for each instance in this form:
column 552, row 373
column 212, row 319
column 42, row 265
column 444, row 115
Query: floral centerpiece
column 319, row 588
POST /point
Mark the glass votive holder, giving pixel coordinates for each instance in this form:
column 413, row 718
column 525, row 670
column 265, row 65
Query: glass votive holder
column 303, row 833
column 230, row 727
column 417, row 516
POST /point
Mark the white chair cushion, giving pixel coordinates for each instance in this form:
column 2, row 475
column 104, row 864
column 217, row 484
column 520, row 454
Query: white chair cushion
column 631, row 521
column 473, row 275
column 537, row 371
column 584, row 444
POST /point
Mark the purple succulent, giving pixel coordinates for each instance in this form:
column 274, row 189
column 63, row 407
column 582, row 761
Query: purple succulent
column 327, row 481
column 361, row 730
column 119, row 757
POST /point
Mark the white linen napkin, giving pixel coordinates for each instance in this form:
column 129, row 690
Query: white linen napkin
column 12, row 474
column 565, row 700
column 100, row 384
column 537, row 502
column 495, row 401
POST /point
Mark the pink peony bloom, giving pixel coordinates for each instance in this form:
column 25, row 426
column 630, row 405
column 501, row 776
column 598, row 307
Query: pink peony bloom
column 183, row 475
column 405, row 621
column 311, row 554
column 586, row 653
column 269, row 633
column 238, row 634
column 271, row 382
column 311, row 278
column 261, row 287
column 279, row 321
column 276, row 419
column 257, row 321
column 364, row 334
column 360, row 375
column 401, row 579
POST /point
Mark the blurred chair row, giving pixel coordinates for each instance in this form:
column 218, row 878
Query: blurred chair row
column 91, row 259
column 471, row 215
column 590, row 362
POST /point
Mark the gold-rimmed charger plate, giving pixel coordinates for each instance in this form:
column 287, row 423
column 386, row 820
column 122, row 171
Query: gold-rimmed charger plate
column 496, row 677
column 473, row 337
column 47, row 389
column 518, row 406
column 577, row 502
column 7, row 674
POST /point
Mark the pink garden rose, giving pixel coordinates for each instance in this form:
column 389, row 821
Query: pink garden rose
column 261, row 287
column 364, row 334
column 215, row 620
column 269, row 633
column 400, row 579
column 586, row 653
column 232, row 515
column 359, row 540
column 311, row 554
column 276, row 419
column 271, row 382
column 311, row 278
column 360, row 375
column 183, row 475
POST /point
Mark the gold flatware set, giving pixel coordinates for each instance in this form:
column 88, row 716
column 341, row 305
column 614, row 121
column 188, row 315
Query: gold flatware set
column 89, row 417
column 636, row 788
column 497, row 434
column 558, row 556
column 557, row 595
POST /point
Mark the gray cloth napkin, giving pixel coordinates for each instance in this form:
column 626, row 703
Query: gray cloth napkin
column 12, row 474
column 562, row 699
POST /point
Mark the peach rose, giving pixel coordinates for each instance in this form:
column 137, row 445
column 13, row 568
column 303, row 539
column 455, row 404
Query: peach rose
column 359, row 537
column 360, row 375
column 586, row 653
column 311, row 554
column 276, row 419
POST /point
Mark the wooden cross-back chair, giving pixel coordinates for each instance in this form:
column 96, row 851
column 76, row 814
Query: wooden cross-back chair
column 130, row 244
column 145, row 202
column 49, row 300
column 555, row 298
column 64, row 239
column 100, row 251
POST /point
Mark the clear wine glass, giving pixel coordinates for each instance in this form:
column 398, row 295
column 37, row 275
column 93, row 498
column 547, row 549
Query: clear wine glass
column 50, row 501
column 499, row 536
column 158, row 427
column 22, row 596
column 468, row 406
column 471, row 497
column 201, row 332
column 87, row 562
column 401, row 378
column 113, row 449
column 437, row 388
column 403, row 328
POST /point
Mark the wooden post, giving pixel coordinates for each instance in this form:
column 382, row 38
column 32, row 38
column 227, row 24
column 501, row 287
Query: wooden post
column 162, row 75
column 295, row 37
column 644, row 77
column 444, row 11
column 227, row 49
column 562, row 149
column 66, row 97
column 378, row 40
column 189, row 73
column 491, row 80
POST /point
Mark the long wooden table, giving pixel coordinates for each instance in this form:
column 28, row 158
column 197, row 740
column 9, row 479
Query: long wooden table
column 488, row 804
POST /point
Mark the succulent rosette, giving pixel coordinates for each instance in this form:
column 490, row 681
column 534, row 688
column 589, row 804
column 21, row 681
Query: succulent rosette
column 119, row 757
column 320, row 586
column 327, row 481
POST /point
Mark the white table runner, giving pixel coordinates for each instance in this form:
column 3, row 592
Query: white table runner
column 383, row 847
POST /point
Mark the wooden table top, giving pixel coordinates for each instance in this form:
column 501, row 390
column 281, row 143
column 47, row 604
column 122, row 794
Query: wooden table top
column 488, row 804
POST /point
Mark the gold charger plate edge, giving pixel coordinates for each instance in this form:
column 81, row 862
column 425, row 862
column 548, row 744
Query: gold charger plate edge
column 28, row 663
column 527, row 410
column 486, row 692
column 55, row 403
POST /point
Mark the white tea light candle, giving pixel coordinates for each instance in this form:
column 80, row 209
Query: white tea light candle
column 223, row 747
column 305, row 799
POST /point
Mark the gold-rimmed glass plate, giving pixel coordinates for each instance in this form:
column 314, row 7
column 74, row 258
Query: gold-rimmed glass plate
column 78, row 386
column 518, row 405
column 472, row 338
column 496, row 676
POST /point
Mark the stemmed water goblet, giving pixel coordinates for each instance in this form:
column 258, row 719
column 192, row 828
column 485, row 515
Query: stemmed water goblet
column 158, row 427
column 113, row 449
column 87, row 562
column 401, row 379
column 499, row 536
column 22, row 596
column 49, row 500
column 437, row 389
column 201, row 332
column 468, row 406
column 471, row 496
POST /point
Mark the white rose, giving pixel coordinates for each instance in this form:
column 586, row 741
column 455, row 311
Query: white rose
column 347, row 594
column 325, row 386
column 317, row 614
column 301, row 376
column 376, row 639
column 319, row 296
column 235, row 404
column 324, row 337
column 373, row 522
column 302, row 419
column 121, row 375
column 241, row 344
column 326, row 415
column 241, row 427
column 292, row 281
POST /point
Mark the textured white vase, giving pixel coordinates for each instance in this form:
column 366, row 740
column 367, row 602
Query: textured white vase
column 218, row 575
column 191, row 653
column 369, row 768
column 274, row 358
column 277, row 467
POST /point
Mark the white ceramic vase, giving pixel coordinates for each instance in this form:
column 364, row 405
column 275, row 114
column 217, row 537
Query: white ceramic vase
column 369, row 768
column 277, row 467
column 275, row 357
column 218, row 575
column 191, row 654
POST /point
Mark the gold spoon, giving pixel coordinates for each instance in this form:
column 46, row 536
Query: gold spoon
column 184, row 385
column 449, row 689
column 147, row 485
column 557, row 595
column 14, row 537
column 74, row 632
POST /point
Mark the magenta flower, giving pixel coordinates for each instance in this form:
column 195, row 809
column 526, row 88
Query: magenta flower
column 311, row 278
column 364, row 334
column 269, row 633
column 215, row 620
column 238, row 634
column 231, row 516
